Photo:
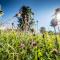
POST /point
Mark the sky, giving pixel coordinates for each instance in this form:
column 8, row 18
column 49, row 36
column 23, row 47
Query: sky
column 43, row 10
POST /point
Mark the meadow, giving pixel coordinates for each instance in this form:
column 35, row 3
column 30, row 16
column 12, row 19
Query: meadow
column 16, row 45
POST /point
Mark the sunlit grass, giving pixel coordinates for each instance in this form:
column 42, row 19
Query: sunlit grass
column 25, row 46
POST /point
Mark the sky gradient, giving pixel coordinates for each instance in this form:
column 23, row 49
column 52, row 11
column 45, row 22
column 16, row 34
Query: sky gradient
column 43, row 10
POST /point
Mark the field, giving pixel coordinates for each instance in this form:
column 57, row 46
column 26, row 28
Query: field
column 16, row 45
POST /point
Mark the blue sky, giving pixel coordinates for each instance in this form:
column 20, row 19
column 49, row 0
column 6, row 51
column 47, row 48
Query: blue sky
column 43, row 9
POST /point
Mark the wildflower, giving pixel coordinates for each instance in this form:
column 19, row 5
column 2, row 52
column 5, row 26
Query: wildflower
column 54, row 51
column 33, row 43
column 22, row 45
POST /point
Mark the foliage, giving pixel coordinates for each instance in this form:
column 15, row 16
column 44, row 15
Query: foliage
column 15, row 45
column 54, row 22
column 42, row 30
column 25, row 18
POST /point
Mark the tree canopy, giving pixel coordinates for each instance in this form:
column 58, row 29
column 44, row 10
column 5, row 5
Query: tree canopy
column 25, row 18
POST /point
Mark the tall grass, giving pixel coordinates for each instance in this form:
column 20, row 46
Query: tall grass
column 16, row 45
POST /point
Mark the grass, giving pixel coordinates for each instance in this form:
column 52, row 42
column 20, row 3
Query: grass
column 15, row 45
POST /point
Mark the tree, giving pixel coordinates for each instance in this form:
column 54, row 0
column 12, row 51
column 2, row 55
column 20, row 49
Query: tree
column 50, row 32
column 25, row 18
column 1, row 11
column 12, row 25
column 54, row 23
column 32, row 30
column 42, row 30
